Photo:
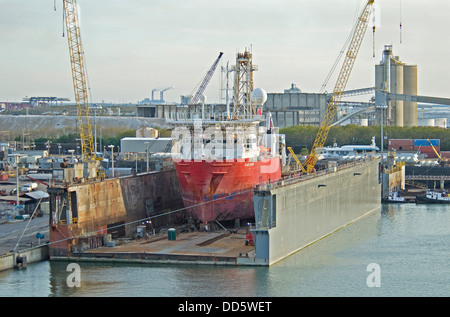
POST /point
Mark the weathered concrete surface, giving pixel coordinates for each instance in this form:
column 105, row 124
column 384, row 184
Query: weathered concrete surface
column 35, row 254
column 290, row 217
column 217, row 248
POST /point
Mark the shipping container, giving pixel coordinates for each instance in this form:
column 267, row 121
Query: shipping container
column 427, row 148
column 401, row 144
column 424, row 142
column 428, row 151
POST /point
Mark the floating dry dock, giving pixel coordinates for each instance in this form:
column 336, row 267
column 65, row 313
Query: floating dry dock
column 290, row 215
column 220, row 248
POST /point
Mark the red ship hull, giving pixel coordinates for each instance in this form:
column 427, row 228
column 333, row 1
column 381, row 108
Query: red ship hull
column 223, row 190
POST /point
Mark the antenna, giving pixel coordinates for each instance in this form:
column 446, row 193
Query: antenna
column 373, row 35
column 374, row 22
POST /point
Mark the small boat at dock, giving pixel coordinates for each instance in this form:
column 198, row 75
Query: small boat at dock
column 434, row 197
column 394, row 197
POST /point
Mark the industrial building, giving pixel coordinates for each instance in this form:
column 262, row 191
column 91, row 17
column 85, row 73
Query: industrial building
column 293, row 107
column 394, row 76
column 142, row 145
column 290, row 108
column 172, row 111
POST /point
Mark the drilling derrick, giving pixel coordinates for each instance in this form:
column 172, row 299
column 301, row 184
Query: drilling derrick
column 243, row 85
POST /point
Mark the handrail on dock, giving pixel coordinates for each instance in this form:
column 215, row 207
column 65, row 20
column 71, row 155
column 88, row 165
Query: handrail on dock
column 301, row 177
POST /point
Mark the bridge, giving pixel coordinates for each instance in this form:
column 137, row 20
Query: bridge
column 380, row 98
column 440, row 178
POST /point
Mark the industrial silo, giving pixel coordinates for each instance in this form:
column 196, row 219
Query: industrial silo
column 440, row 122
column 410, row 88
column 393, row 76
column 389, row 78
column 396, row 88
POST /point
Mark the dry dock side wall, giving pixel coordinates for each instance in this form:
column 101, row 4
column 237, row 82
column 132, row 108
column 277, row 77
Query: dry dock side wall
column 292, row 216
column 83, row 213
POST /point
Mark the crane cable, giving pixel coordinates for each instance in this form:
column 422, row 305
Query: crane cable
column 400, row 21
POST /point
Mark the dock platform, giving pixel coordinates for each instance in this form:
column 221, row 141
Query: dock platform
column 216, row 248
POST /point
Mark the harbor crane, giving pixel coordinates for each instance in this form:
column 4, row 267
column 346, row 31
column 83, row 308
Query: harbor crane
column 205, row 81
column 442, row 160
column 79, row 79
column 296, row 159
column 350, row 57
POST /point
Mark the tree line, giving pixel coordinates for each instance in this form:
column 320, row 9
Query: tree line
column 71, row 141
column 301, row 138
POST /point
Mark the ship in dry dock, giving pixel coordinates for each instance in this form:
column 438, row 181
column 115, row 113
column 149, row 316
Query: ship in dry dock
column 220, row 158
column 217, row 159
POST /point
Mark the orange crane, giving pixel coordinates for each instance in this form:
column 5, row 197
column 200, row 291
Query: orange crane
column 350, row 57
column 79, row 79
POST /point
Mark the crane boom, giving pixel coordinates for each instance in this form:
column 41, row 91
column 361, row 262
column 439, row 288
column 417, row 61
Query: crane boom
column 79, row 79
column 441, row 159
column 296, row 159
column 339, row 88
column 206, row 80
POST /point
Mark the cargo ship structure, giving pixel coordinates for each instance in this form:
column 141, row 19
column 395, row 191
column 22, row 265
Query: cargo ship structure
column 219, row 158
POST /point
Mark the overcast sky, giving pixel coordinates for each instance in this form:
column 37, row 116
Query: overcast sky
column 134, row 46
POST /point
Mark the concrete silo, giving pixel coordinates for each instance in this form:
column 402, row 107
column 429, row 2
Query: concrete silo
column 410, row 88
column 396, row 88
column 393, row 76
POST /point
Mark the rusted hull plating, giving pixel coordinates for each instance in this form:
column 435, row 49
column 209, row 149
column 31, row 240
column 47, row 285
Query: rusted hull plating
column 83, row 215
column 223, row 190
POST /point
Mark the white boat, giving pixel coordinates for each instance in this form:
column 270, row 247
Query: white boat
column 348, row 152
column 434, row 197
column 394, row 197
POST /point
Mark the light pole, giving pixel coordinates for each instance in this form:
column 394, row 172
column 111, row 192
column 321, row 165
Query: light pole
column 16, row 158
column 71, row 153
column 47, row 145
column 146, row 150
column 135, row 158
column 382, row 108
column 112, row 158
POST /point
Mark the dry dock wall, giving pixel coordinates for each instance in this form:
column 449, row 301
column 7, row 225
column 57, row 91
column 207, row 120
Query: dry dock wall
column 82, row 214
column 290, row 217
column 36, row 254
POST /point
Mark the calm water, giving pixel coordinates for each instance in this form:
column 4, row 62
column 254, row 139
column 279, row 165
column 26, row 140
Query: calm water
column 409, row 242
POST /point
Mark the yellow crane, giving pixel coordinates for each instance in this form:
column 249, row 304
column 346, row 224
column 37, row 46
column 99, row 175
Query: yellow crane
column 441, row 159
column 79, row 79
column 296, row 159
column 358, row 35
